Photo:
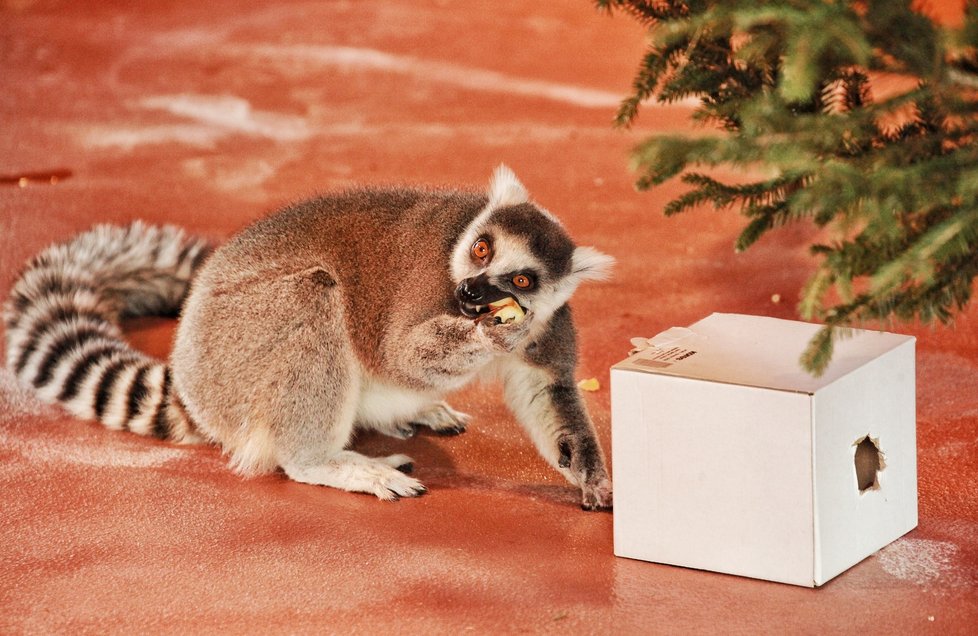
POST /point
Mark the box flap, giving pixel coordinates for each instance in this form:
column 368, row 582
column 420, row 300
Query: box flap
column 755, row 351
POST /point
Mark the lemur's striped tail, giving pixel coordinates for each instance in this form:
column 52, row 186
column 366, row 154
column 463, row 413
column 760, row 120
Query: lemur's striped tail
column 62, row 324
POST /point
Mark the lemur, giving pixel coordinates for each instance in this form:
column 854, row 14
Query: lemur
column 352, row 311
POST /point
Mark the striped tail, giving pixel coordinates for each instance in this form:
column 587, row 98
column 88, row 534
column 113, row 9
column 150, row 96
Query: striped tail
column 62, row 325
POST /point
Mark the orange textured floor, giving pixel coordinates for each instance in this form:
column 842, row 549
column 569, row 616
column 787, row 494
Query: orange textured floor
column 210, row 114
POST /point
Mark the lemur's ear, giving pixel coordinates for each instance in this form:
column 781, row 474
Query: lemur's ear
column 590, row 264
column 505, row 189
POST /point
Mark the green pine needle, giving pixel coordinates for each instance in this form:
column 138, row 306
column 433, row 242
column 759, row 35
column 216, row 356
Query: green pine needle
column 786, row 86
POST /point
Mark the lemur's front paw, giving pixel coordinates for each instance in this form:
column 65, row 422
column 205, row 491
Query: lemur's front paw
column 399, row 430
column 506, row 336
column 442, row 419
column 580, row 456
column 597, row 496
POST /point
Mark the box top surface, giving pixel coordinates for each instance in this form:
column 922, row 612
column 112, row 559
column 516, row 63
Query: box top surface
column 755, row 351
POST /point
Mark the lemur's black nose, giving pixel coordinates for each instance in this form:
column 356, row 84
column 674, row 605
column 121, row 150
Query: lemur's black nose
column 478, row 291
column 470, row 292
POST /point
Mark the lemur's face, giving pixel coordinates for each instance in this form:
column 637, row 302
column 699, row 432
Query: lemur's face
column 522, row 252
column 517, row 252
column 514, row 248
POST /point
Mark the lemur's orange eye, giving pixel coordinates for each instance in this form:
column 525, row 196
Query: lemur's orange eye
column 481, row 249
column 522, row 281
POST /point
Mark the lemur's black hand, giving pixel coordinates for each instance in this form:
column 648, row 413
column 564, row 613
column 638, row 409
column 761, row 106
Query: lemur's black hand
column 579, row 453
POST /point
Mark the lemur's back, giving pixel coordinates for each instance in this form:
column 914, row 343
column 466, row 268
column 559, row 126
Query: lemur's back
column 411, row 234
column 335, row 225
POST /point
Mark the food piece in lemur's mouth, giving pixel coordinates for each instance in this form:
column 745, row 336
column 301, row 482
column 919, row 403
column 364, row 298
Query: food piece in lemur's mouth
column 506, row 310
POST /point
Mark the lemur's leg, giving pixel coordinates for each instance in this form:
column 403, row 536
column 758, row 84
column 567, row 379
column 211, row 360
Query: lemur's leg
column 445, row 352
column 352, row 471
column 311, row 441
column 297, row 386
column 433, row 357
column 442, row 419
column 317, row 408
column 438, row 416
column 541, row 390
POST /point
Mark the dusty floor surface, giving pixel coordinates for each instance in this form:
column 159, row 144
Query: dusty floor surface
column 210, row 114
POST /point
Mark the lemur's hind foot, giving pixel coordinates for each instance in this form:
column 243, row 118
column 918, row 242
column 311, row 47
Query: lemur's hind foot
column 354, row 472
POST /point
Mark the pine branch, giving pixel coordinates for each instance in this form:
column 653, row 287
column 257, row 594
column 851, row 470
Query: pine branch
column 894, row 181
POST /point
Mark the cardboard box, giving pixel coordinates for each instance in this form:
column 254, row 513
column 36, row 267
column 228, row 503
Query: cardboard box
column 728, row 456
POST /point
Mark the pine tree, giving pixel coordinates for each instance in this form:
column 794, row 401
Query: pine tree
column 892, row 180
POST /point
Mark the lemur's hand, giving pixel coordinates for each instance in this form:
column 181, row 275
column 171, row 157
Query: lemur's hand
column 506, row 336
column 579, row 454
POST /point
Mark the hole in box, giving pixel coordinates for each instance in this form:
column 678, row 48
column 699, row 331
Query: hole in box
column 868, row 462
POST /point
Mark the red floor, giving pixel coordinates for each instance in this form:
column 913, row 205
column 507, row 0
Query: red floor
column 209, row 114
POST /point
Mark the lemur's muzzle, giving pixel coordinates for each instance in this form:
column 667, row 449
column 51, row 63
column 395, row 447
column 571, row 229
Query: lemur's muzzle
column 474, row 295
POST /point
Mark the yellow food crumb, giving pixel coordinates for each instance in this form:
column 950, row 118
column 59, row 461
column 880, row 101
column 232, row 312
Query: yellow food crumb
column 591, row 384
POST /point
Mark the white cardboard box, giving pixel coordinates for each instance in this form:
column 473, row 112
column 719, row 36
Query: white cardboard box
column 728, row 456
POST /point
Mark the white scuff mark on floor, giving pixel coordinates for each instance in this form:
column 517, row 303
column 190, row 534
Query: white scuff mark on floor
column 213, row 117
column 955, row 449
column 250, row 173
column 17, row 401
column 189, row 38
column 357, row 58
column 129, row 137
column 243, row 176
column 45, row 450
column 494, row 134
column 230, row 113
column 919, row 561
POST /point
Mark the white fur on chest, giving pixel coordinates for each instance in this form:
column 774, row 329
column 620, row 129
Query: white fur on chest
column 383, row 403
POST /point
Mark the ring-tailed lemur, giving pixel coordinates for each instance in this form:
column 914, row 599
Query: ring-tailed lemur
column 358, row 310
